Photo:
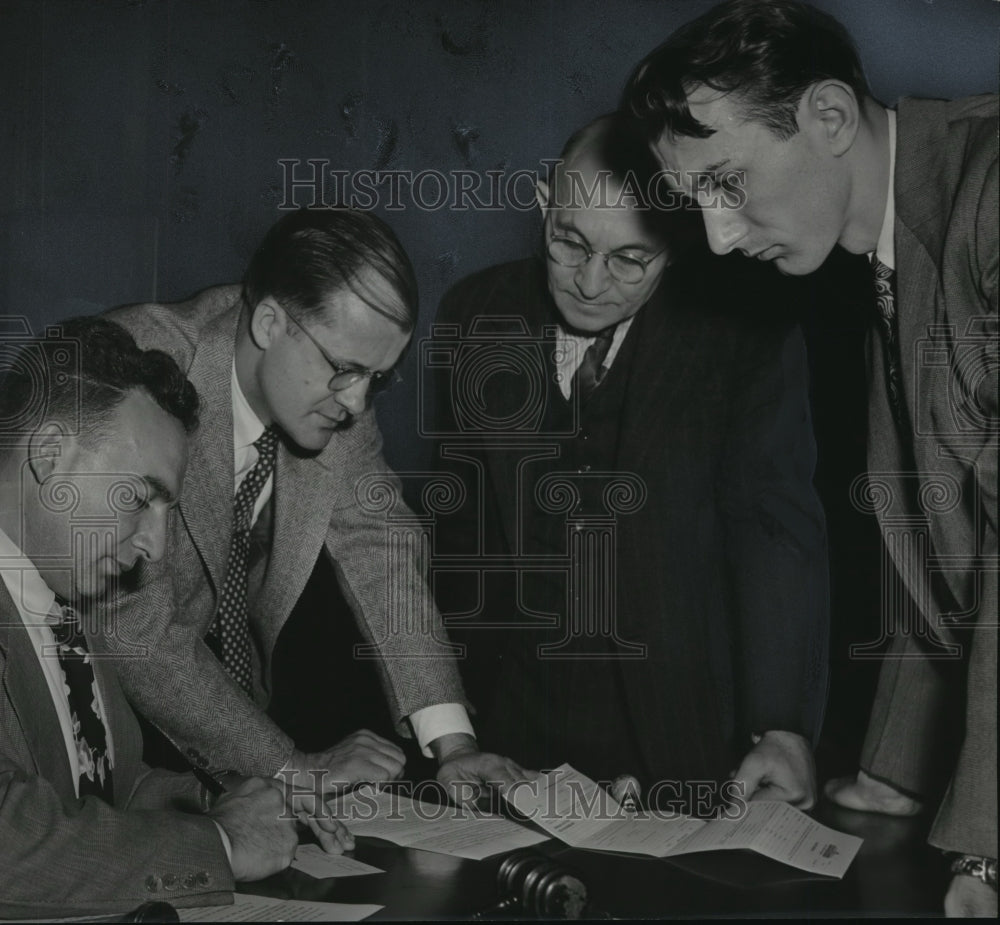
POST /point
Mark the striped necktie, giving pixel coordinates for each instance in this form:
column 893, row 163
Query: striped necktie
column 229, row 636
column 591, row 372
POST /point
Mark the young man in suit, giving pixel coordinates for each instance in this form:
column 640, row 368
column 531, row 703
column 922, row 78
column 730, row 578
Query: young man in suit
column 771, row 96
column 287, row 466
column 93, row 448
column 612, row 374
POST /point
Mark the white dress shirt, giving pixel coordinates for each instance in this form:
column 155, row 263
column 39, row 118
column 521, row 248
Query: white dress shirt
column 885, row 250
column 36, row 604
column 570, row 350
column 429, row 723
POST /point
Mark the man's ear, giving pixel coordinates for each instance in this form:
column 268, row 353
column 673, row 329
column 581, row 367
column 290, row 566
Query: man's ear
column 542, row 195
column 45, row 446
column 267, row 322
column 833, row 109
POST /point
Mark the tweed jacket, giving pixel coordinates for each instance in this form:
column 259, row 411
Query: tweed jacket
column 60, row 855
column 934, row 478
column 342, row 500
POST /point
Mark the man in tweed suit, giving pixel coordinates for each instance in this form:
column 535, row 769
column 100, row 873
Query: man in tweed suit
column 325, row 311
column 771, row 95
column 89, row 470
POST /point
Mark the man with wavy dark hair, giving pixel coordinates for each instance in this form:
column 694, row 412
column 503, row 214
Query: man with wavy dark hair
column 770, row 97
column 282, row 472
column 93, row 449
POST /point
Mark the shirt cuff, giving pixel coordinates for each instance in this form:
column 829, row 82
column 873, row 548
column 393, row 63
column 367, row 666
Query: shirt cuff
column 430, row 723
column 226, row 843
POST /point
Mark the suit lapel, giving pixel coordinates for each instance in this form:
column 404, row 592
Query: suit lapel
column 31, row 700
column 207, row 501
column 121, row 723
column 657, row 370
column 305, row 491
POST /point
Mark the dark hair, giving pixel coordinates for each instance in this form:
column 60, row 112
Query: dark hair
column 767, row 52
column 310, row 254
column 77, row 374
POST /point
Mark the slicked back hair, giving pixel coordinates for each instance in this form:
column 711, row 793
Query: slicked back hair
column 309, row 255
column 766, row 52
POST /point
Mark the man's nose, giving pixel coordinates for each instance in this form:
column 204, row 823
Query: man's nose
column 355, row 397
column 724, row 227
column 592, row 277
column 150, row 539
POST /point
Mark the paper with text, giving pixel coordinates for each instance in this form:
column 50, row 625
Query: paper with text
column 313, row 860
column 576, row 810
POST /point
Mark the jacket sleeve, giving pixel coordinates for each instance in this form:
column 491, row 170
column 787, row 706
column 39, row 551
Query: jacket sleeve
column 380, row 550
column 776, row 549
column 90, row 858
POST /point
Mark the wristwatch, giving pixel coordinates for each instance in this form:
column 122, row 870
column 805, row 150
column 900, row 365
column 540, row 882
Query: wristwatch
column 984, row 869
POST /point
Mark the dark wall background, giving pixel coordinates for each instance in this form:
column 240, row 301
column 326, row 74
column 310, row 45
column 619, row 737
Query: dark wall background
column 140, row 144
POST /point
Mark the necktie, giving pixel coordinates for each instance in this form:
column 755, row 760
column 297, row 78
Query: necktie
column 89, row 731
column 229, row 636
column 591, row 371
column 885, row 303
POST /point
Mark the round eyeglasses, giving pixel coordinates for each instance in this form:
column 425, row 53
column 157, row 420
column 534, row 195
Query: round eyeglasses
column 623, row 267
column 345, row 376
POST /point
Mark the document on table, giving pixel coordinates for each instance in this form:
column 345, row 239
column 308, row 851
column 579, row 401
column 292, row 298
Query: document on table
column 247, row 908
column 576, row 810
column 313, row 860
column 450, row 830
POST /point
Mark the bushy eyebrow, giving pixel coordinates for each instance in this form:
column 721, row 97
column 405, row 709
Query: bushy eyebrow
column 159, row 489
column 638, row 246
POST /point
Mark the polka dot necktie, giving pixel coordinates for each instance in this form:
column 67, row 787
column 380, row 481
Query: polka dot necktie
column 885, row 303
column 90, row 735
column 229, row 636
column 591, row 371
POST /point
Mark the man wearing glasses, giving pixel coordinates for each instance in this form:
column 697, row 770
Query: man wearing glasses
column 640, row 567
column 279, row 472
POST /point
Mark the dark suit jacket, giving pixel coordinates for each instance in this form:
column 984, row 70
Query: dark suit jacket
column 342, row 500
column 939, row 471
column 60, row 855
column 722, row 571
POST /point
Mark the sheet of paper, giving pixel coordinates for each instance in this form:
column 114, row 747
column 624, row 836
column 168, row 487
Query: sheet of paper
column 781, row 832
column 431, row 827
column 313, row 860
column 574, row 809
column 247, row 908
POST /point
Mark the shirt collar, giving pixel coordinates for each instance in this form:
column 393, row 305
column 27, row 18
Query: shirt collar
column 247, row 427
column 885, row 250
column 32, row 596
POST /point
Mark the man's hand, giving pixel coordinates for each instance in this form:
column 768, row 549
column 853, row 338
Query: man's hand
column 868, row 795
column 465, row 770
column 362, row 757
column 969, row 897
column 261, row 833
column 779, row 767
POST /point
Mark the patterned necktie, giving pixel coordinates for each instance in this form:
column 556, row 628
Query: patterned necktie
column 89, row 731
column 229, row 636
column 885, row 303
column 591, row 371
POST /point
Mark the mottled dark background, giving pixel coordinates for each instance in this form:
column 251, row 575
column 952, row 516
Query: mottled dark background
column 140, row 144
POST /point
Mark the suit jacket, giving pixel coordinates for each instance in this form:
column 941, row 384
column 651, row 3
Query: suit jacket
column 60, row 855
column 342, row 500
column 939, row 470
column 722, row 571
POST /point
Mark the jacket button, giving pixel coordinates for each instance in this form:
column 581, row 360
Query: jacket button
column 202, row 878
column 170, row 882
column 189, row 882
column 153, row 884
column 585, row 467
